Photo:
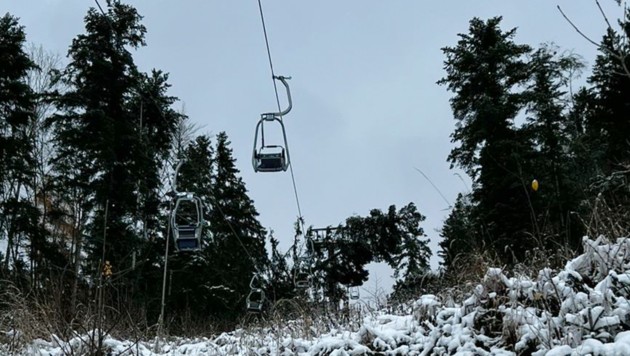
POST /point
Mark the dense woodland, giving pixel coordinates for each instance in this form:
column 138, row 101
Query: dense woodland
column 89, row 146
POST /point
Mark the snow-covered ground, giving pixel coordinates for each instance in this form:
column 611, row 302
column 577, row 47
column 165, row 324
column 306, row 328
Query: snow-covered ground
column 582, row 309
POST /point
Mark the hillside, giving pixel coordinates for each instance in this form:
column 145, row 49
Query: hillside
column 581, row 309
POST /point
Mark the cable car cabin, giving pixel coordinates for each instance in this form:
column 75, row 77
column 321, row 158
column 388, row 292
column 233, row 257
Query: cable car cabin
column 270, row 161
column 187, row 222
column 255, row 300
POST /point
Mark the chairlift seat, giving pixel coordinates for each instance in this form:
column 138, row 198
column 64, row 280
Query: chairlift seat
column 271, row 162
column 306, row 260
column 255, row 300
column 187, row 244
column 187, row 232
column 187, row 238
column 302, row 283
column 254, row 306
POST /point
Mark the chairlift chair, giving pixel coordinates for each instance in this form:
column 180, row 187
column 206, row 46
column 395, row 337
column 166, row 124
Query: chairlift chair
column 303, row 273
column 303, row 280
column 272, row 158
column 187, row 222
column 256, row 297
column 255, row 300
column 354, row 293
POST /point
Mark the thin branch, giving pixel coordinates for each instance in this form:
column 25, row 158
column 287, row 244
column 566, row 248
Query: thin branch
column 603, row 14
column 576, row 28
column 619, row 56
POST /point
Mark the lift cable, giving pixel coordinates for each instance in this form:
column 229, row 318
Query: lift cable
column 275, row 87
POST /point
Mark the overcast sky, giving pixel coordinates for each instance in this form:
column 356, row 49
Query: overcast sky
column 366, row 106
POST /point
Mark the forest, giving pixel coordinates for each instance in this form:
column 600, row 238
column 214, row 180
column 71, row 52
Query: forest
column 89, row 150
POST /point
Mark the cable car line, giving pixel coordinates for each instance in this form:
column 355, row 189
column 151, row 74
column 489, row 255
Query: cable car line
column 273, row 77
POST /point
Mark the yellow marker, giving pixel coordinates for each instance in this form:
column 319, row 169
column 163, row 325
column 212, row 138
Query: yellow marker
column 107, row 269
column 535, row 185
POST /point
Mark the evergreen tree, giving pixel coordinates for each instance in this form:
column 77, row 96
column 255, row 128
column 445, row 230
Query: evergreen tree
column 18, row 216
column 611, row 87
column 94, row 133
column 111, row 135
column 217, row 278
column 608, row 125
column 157, row 125
column 458, row 232
column 193, row 283
column 547, row 127
column 486, row 71
column 281, row 277
column 393, row 237
column 414, row 254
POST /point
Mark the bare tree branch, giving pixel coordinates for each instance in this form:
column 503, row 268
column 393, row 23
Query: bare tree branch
column 619, row 56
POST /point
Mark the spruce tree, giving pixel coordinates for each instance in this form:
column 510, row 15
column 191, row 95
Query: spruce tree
column 94, row 133
column 486, row 72
column 281, row 277
column 157, row 124
column 192, row 283
column 394, row 237
column 607, row 124
column 611, row 87
column 459, row 233
column 111, row 135
column 239, row 238
column 215, row 281
column 18, row 216
column 548, row 127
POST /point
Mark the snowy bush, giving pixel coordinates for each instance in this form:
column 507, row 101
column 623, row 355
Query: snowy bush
column 582, row 309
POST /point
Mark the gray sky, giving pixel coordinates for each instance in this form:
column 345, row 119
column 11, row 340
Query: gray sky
column 366, row 106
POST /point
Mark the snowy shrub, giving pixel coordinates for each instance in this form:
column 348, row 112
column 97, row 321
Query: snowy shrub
column 584, row 308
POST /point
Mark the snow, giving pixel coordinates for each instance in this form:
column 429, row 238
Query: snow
column 3, row 246
column 581, row 309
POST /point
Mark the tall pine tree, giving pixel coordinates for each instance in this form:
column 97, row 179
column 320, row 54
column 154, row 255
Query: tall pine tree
column 111, row 134
column 18, row 216
column 486, row 71
column 548, row 127
column 239, row 238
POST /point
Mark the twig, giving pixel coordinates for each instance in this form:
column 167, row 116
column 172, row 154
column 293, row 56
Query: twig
column 603, row 14
column 618, row 56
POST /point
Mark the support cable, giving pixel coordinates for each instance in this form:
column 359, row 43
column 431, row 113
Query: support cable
column 275, row 87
